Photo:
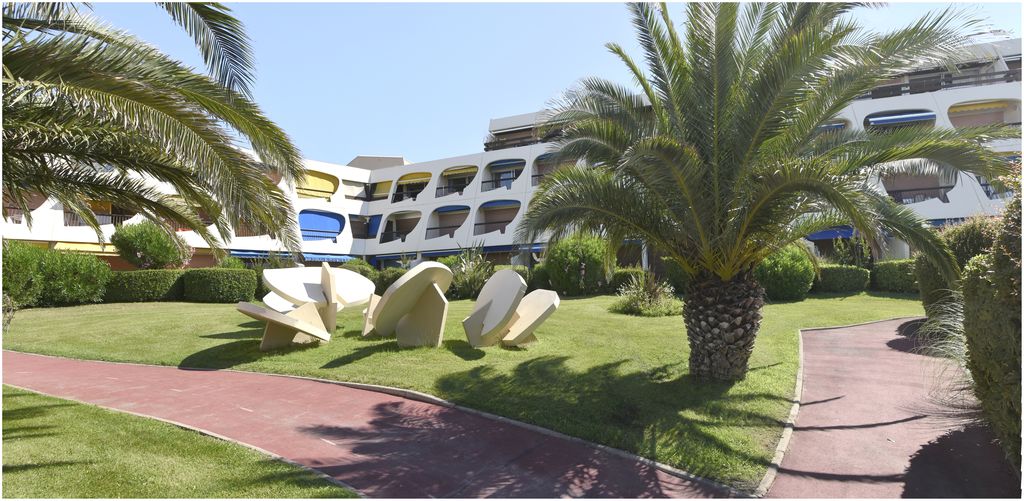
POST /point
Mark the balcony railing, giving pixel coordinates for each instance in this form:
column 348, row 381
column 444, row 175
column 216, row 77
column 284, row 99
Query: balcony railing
column 246, row 232
column 73, row 219
column 448, row 190
column 920, row 195
column 390, row 236
column 489, row 226
column 940, row 82
column 313, row 235
column 537, row 178
column 437, row 231
column 500, row 144
column 14, row 214
column 494, row 184
column 405, row 195
column 372, row 197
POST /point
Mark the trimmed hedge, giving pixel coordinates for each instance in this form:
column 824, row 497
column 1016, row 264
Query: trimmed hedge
column 966, row 240
column 23, row 282
column 576, row 266
column 624, row 276
column 384, row 278
column 148, row 246
column 218, row 285
column 896, row 275
column 539, row 278
column 841, row 278
column 786, row 275
column 992, row 328
column 145, row 285
column 71, row 278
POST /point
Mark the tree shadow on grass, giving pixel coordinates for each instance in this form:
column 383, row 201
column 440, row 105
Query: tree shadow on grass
column 640, row 412
column 18, row 468
column 363, row 352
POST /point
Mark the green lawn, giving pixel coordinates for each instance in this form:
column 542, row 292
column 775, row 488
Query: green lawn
column 610, row 378
column 55, row 448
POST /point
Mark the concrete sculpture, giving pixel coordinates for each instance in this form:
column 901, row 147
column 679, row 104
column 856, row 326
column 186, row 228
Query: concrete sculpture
column 304, row 303
column 502, row 314
column 414, row 308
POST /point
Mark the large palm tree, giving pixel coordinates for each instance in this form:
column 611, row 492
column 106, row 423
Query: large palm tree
column 93, row 113
column 719, row 158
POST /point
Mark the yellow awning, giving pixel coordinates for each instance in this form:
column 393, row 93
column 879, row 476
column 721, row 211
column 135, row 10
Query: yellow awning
column 455, row 171
column 414, row 178
column 100, row 206
column 108, row 250
column 987, row 105
column 382, row 188
column 317, row 185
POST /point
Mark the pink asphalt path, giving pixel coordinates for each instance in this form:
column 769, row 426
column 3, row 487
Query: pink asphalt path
column 379, row 444
column 864, row 429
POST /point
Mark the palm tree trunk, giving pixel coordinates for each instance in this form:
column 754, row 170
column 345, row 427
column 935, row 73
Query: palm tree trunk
column 722, row 320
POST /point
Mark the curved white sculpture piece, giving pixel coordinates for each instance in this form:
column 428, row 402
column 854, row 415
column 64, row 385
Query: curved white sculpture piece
column 351, row 288
column 277, row 303
column 413, row 308
column 494, row 308
column 301, row 325
column 535, row 308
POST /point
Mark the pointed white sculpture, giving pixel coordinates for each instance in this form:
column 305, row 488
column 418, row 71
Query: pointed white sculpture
column 301, row 325
column 413, row 308
column 494, row 308
column 535, row 308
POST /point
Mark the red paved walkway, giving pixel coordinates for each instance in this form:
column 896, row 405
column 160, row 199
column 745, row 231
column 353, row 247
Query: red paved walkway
column 382, row 445
column 863, row 428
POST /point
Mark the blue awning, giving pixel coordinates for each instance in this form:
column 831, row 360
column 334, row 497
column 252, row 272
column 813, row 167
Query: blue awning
column 831, row 234
column 328, row 258
column 449, row 252
column 371, row 229
column 832, row 126
column 494, row 204
column 452, row 208
column 902, row 118
column 514, row 248
column 256, row 254
column 514, row 162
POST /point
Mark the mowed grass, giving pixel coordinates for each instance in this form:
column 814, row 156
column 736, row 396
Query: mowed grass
column 610, row 378
column 56, row 448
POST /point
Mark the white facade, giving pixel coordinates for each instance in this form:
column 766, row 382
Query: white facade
column 495, row 199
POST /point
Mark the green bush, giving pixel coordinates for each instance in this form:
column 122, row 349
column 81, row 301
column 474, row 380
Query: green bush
column 273, row 261
column 674, row 275
column 623, row 276
column 470, row 272
column 361, row 267
column 896, row 275
column 966, row 240
column 231, row 263
column 23, row 282
column 646, row 296
column 384, row 278
column 575, row 266
column 218, row 285
column 851, row 251
column 841, row 278
column 449, row 261
column 71, row 278
column 145, row 285
column 520, row 269
column 538, row 278
column 992, row 327
column 148, row 246
column 786, row 275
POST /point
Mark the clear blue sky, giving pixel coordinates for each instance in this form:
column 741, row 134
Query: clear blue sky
column 422, row 80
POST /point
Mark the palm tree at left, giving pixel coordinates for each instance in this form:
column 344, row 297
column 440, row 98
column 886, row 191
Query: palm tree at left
column 91, row 112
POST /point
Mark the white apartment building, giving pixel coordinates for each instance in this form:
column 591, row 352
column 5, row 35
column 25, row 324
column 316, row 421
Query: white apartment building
column 386, row 209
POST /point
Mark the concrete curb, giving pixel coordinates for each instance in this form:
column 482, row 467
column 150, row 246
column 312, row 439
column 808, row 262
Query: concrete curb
column 201, row 431
column 787, row 431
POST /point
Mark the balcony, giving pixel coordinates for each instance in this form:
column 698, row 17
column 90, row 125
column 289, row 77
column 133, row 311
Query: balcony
column 247, row 232
column 390, row 236
column 493, row 184
column 14, row 215
column 438, row 231
column 448, row 190
column 913, row 196
column 536, row 179
column 314, row 235
column 489, row 226
column 73, row 219
column 941, row 82
column 371, row 198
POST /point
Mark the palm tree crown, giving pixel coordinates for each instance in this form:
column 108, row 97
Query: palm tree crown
column 720, row 159
column 91, row 112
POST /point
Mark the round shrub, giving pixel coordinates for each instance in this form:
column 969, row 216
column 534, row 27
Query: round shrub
column 786, row 275
column 71, row 278
column 841, row 278
column 145, row 285
column 575, row 266
column 218, row 285
column 623, row 276
column 538, row 278
column 896, row 275
column 384, row 278
column 148, row 246
column 23, row 282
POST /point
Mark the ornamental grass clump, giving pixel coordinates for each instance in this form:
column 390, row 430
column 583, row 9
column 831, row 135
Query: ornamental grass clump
column 646, row 296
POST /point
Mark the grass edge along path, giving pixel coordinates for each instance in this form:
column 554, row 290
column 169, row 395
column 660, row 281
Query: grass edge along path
column 612, row 379
column 55, row 447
